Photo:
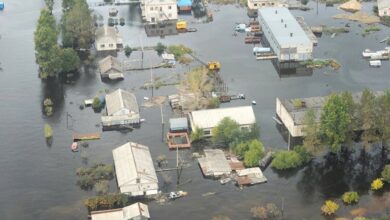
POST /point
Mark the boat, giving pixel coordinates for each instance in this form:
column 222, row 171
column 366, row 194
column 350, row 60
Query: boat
column 254, row 102
column 177, row 194
column 367, row 53
column 225, row 180
column 375, row 63
column 74, row 147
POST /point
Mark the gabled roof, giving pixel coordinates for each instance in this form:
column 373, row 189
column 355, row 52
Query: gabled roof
column 134, row 210
column 210, row 118
column 133, row 161
column 107, row 34
column 382, row 4
column 120, row 99
column 110, row 63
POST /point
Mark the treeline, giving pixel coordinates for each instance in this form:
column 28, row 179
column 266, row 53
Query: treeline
column 344, row 119
column 55, row 59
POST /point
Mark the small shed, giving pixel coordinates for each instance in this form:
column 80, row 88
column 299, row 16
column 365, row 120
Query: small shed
column 178, row 125
column 250, row 176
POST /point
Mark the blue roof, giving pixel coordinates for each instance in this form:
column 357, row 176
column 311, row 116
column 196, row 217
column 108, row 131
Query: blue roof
column 176, row 124
column 184, row 3
column 282, row 23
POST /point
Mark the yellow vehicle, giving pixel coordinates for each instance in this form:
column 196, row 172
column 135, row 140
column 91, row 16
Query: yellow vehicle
column 181, row 25
column 214, row 65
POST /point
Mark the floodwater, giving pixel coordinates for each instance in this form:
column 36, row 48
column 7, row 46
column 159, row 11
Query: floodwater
column 39, row 182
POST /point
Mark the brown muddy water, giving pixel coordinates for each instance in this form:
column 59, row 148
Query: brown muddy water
column 39, row 182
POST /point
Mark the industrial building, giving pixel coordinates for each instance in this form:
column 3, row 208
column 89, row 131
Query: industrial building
column 210, row 118
column 134, row 170
column 284, row 35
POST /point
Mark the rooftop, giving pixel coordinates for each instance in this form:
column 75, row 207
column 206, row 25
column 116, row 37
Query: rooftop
column 107, row 33
column 214, row 163
column 383, row 4
column 133, row 161
column 210, row 118
column 110, row 63
column 250, row 176
column 178, row 124
column 120, row 99
column 128, row 212
column 284, row 26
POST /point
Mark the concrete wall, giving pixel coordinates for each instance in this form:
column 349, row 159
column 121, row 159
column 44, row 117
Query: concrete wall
column 287, row 120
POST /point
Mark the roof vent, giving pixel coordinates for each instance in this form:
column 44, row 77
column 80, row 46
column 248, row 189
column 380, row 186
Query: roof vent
column 291, row 34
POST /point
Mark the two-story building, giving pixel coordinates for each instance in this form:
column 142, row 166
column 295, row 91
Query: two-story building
column 158, row 11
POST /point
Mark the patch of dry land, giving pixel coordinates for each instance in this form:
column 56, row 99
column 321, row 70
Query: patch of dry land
column 360, row 17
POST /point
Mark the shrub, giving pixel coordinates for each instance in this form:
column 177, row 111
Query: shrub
column 86, row 182
column 269, row 211
column 286, row 160
column 160, row 48
column 329, row 207
column 197, row 135
column 350, row 197
column 96, row 104
column 107, row 202
column 179, row 50
column 386, row 173
column 254, row 153
column 101, row 187
column 48, row 131
column 377, row 184
column 303, row 153
column 128, row 50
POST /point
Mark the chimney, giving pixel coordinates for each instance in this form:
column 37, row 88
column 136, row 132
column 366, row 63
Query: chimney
column 291, row 34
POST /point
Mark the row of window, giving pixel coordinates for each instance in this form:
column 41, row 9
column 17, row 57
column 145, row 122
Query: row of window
column 159, row 8
column 109, row 45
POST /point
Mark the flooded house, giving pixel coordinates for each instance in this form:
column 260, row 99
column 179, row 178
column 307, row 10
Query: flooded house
column 214, row 163
column 136, row 211
column 108, row 39
column 134, row 170
column 383, row 8
column 158, row 11
column 121, row 110
column 250, row 176
column 285, row 35
column 111, row 68
column 210, row 118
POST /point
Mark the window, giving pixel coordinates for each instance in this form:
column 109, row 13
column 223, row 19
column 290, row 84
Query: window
column 255, row 4
column 263, row 4
column 207, row 132
column 151, row 8
column 111, row 45
column 169, row 15
column 169, row 7
column 102, row 45
column 160, row 8
column 138, row 180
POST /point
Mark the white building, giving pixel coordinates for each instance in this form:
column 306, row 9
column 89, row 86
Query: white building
column 210, row 118
column 108, row 39
column 257, row 4
column 158, row 11
column 122, row 109
column 134, row 169
column 136, row 211
column 284, row 34
column 111, row 68
column 383, row 8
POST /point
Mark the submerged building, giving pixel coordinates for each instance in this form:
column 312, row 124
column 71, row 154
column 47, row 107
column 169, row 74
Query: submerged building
column 285, row 35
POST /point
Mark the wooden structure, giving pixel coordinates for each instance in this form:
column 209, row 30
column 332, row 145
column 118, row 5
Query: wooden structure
column 178, row 141
column 85, row 137
column 252, row 40
column 250, row 176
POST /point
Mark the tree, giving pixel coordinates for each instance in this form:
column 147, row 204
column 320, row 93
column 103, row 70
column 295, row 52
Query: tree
column 311, row 140
column 197, row 135
column 385, row 174
column 226, row 132
column 286, row 160
column 269, row 211
column 334, row 122
column 347, row 99
column 350, row 197
column 128, row 51
column 67, row 4
column 49, row 4
column 377, row 184
column 78, row 30
column 69, row 59
column 48, row 131
column 102, row 187
column 45, row 37
column 329, row 207
column 254, row 153
column 384, row 118
column 368, row 119
column 96, row 104
column 160, row 48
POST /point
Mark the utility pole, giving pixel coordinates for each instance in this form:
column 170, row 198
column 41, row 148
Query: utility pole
column 162, row 124
column 151, row 79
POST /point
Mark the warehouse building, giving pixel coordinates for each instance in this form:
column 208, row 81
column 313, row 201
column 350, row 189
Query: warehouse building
column 284, row 34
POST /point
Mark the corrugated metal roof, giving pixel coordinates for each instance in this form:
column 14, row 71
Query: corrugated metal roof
column 214, row 163
column 178, row 124
column 282, row 23
column 120, row 99
column 107, row 34
column 210, row 118
column 133, row 161
column 129, row 212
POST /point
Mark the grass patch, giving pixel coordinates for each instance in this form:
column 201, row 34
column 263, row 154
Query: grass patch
column 369, row 29
column 48, row 131
column 179, row 50
column 320, row 63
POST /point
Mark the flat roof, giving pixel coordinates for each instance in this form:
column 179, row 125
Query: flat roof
column 282, row 23
column 178, row 123
column 210, row 118
column 383, row 4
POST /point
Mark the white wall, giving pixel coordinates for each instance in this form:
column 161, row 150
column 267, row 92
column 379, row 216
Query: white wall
column 159, row 10
column 384, row 12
